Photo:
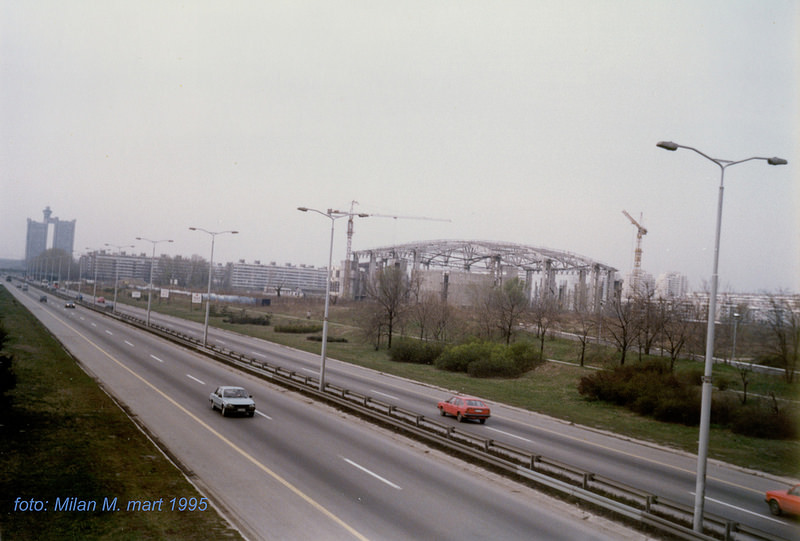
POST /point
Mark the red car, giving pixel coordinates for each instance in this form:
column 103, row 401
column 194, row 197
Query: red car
column 784, row 501
column 465, row 407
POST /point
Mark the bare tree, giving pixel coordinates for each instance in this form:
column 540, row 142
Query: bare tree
column 543, row 314
column 585, row 324
column 621, row 325
column 431, row 313
column 390, row 290
column 783, row 320
column 510, row 306
column 649, row 316
column 676, row 330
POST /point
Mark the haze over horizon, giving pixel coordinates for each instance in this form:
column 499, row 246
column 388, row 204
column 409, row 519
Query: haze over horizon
column 526, row 122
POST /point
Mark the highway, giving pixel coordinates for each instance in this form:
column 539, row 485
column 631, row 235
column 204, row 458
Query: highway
column 731, row 492
column 299, row 469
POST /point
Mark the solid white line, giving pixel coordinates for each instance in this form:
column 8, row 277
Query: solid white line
column 741, row 509
column 131, row 345
column 263, row 415
column 109, row 332
column 510, row 434
column 197, row 380
column 156, row 358
column 312, row 371
column 375, row 475
column 257, row 353
column 384, row 394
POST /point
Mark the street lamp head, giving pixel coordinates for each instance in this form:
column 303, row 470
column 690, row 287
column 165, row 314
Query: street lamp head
column 667, row 145
column 302, row 209
column 776, row 161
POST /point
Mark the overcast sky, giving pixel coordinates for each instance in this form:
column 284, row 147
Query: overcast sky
column 531, row 122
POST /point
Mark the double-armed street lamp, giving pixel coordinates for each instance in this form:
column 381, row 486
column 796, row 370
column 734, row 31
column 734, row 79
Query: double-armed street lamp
column 152, row 264
column 210, row 273
column 94, row 264
column 116, row 273
column 333, row 215
column 705, row 404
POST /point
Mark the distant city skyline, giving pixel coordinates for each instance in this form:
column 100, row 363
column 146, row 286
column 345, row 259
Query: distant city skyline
column 533, row 123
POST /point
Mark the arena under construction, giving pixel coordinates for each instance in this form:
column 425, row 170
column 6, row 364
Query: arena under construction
column 453, row 268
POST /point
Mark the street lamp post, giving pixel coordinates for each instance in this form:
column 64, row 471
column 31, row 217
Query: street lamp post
column 705, row 403
column 94, row 285
column 152, row 264
column 210, row 273
column 116, row 273
column 333, row 215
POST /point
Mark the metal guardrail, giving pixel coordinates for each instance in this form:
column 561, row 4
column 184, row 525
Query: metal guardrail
column 666, row 516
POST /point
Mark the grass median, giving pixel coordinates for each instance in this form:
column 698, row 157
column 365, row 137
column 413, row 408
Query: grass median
column 67, row 451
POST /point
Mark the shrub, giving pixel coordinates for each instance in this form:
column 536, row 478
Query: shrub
column 486, row 359
column 415, row 351
column 329, row 340
column 458, row 358
column 299, row 328
column 243, row 319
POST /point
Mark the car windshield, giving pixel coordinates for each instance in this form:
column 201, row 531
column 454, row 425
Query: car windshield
column 234, row 393
column 476, row 403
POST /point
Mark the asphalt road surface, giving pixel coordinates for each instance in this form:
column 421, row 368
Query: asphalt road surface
column 298, row 469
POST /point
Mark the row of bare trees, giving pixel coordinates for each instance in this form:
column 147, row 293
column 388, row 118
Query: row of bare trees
column 643, row 325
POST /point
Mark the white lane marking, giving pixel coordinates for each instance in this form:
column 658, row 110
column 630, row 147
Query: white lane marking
column 510, row 434
column 82, row 318
column 221, row 342
column 109, row 332
column 131, row 345
column 741, row 509
column 384, row 394
column 197, row 380
column 373, row 474
column 94, row 324
column 263, row 415
column 312, row 371
column 257, row 353
column 156, row 358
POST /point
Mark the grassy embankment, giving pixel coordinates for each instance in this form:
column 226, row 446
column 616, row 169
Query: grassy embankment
column 550, row 389
column 63, row 437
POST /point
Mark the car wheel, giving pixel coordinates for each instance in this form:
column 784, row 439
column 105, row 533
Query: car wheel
column 458, row 416
column 222, row 410
column 482, row 421
column 212, row 405
column 441, row 410
column 251, row 413
column 774, row 507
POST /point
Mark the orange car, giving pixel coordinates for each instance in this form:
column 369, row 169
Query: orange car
column 784, row 501
column 465, row 407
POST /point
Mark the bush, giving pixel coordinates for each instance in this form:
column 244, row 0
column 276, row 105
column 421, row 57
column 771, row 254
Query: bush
column 759, row 421
column 415, row 351
column 458, row 358
column 299, row 328
column 329, row 340
column 486, row 359
column 243, row 319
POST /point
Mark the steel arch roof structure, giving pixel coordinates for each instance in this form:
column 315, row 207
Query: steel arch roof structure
column 466, row 254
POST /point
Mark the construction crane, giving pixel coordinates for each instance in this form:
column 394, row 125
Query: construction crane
column 350, row 215
column 637, row 254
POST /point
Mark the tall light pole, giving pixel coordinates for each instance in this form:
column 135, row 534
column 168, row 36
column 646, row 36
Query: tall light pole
column 333, row 215
column 94, row 264
column 116, row 273
column 705, row 403
column 152, row 264
column 210, row 273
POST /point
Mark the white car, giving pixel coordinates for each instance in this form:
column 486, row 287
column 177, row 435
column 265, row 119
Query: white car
column 232, row 400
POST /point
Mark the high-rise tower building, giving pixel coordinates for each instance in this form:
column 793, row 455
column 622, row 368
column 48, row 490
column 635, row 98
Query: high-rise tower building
column 38, row 238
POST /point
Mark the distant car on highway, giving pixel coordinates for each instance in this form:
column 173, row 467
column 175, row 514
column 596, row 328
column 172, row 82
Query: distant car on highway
column 43, row 298
column 230, row 399
column 784, row 501
column 101, row 300
column 465, row 407
column 69, row 304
